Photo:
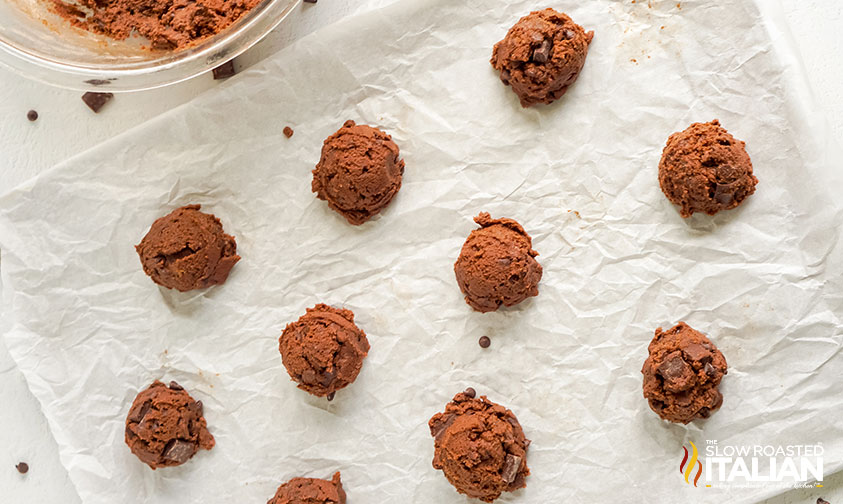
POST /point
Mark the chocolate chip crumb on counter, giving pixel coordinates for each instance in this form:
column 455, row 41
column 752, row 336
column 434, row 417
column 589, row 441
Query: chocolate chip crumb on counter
column 32, row 115
column 288, row 131
column 22, row 467
column 224, row 71
column 96, row 101
column 485, row 342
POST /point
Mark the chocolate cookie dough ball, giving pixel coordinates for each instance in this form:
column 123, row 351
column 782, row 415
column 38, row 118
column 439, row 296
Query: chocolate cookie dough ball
column 323, row 350
column 705, row 169
column 187, row 249
column 497, row 265
column 480, row 447
column 166, row 427
column 359, row 172
column 310, row 491
column 541, row 55
column 682, row 374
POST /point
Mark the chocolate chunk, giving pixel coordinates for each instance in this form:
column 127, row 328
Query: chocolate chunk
column 95, row 101
column 32, row 115
column 98, row 82
column 485, row 342
column 697, row 352
column 505, row 76
column 437, row 428
column 683, row 398
column 224, row 71
column 22, row 467
column 710, row 370
column 198, row 407
column 330, row 396
column 704, row 412
column 470, row 392
column 510, row 467
column 288, row 131
column 309, row 1
column 820, row 500
column 327, row 377
column 675, row 372
column 542, row 53
column 724, row 193
column 175, row 386
column 140, row 413
column 569, row 34
column 179, row 451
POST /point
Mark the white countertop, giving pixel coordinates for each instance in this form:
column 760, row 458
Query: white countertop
column 67, row 127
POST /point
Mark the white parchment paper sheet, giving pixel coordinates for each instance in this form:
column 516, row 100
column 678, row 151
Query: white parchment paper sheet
column 90, row 329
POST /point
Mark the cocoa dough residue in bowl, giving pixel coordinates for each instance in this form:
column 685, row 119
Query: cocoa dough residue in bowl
column 168, row 24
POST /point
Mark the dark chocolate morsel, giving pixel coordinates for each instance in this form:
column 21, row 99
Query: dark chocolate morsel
column 510, row 467
column 96, row 101
column 224, row 71
column 179, row 451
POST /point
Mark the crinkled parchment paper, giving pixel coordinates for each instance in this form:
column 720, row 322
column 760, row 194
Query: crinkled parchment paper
column 763, row 281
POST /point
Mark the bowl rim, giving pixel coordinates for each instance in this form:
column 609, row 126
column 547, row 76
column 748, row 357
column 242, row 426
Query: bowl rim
column 199, row 58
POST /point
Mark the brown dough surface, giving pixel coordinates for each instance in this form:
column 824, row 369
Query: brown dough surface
column 310, row 491
column 705, row 169
column 323, row 350
column 497, row 265
column 187, row 249
column 359, row 172
column 166, row 427
column 541, row 55
column 167, row 24
column 480, row 447
column 682, row 374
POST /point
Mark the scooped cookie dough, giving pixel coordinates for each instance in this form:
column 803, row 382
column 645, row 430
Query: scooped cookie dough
column 187, row 249
column 541, row 56
column 497, row 265
column 682, row 374
column 480, row 447
column 166, row 427
column 705, row 169
column 323, row 350
column 359, row 172
column 310, row 491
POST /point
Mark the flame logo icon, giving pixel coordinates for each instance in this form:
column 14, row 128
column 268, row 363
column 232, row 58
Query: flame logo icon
column 688, row 468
